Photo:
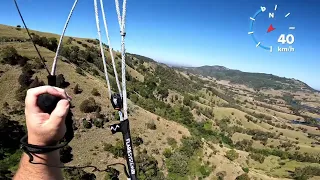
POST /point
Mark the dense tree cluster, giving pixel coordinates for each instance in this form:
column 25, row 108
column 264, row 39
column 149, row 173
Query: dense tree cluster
column 147, row 167
column 10, row 56
column 49, row 43
column 304, row 173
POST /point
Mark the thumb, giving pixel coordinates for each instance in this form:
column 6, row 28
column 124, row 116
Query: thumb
column 58, row 115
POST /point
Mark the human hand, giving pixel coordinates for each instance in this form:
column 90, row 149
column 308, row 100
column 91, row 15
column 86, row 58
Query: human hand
column 43, row 128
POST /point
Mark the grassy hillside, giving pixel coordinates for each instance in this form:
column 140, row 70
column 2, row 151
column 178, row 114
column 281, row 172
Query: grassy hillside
column 184, row 126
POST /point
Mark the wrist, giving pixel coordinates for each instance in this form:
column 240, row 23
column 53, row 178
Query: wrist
column 50, row 158
column 39, row 141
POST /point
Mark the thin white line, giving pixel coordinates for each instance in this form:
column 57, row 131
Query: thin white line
column 258, row 44
column 252, row 19
column 275, row 8
column 292, row 28
column 287, row 15
column 250, row 32
column 270, row 48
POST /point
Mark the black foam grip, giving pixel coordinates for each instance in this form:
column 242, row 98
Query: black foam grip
column 47, row 102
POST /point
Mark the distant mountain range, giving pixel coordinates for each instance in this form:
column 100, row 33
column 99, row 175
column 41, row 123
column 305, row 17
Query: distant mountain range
column 253, row 80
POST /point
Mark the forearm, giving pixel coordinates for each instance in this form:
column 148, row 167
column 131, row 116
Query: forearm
column 28, row 171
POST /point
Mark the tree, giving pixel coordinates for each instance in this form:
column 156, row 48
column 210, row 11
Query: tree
column 18, row 27
column 61, row 81
column 187, row 100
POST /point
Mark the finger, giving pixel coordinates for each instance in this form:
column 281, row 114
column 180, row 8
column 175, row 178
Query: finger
column 65, row 93
column 32, row 94
column 58, row 115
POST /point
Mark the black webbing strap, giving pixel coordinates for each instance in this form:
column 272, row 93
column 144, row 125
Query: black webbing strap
column 124, row 128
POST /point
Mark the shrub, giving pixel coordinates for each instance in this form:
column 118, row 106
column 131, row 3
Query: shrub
column 116, row 116
column 21, row 94
column 221, row 174
column 172, row 142
column 61, row 82
column 95, row 92
column 137, row 141
column 10, row 55
column 151, row 125
column 302, row 173
column 245, row 169
column 86, row 124
column 79, row 71
column 147, row 167
column 178, row 164
column 36, row 83
column 117, row 150
column 77, row 173
column 167, row 153
column 5, row 105
column 76, row 89
column 66, row 154
column 107, row 146
column 25, row 79
column 243, row 177
column 112, row 174
column 134, row 98
column 95, row 72
column 98, row 123
column 257, row 157
column 205, row 170
column 89, row 105
column 232, row 154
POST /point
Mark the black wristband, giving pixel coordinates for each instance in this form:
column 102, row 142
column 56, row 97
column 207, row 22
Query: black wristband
column 35, row 149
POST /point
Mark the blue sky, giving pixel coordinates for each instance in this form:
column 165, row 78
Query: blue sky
column 195, row 32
